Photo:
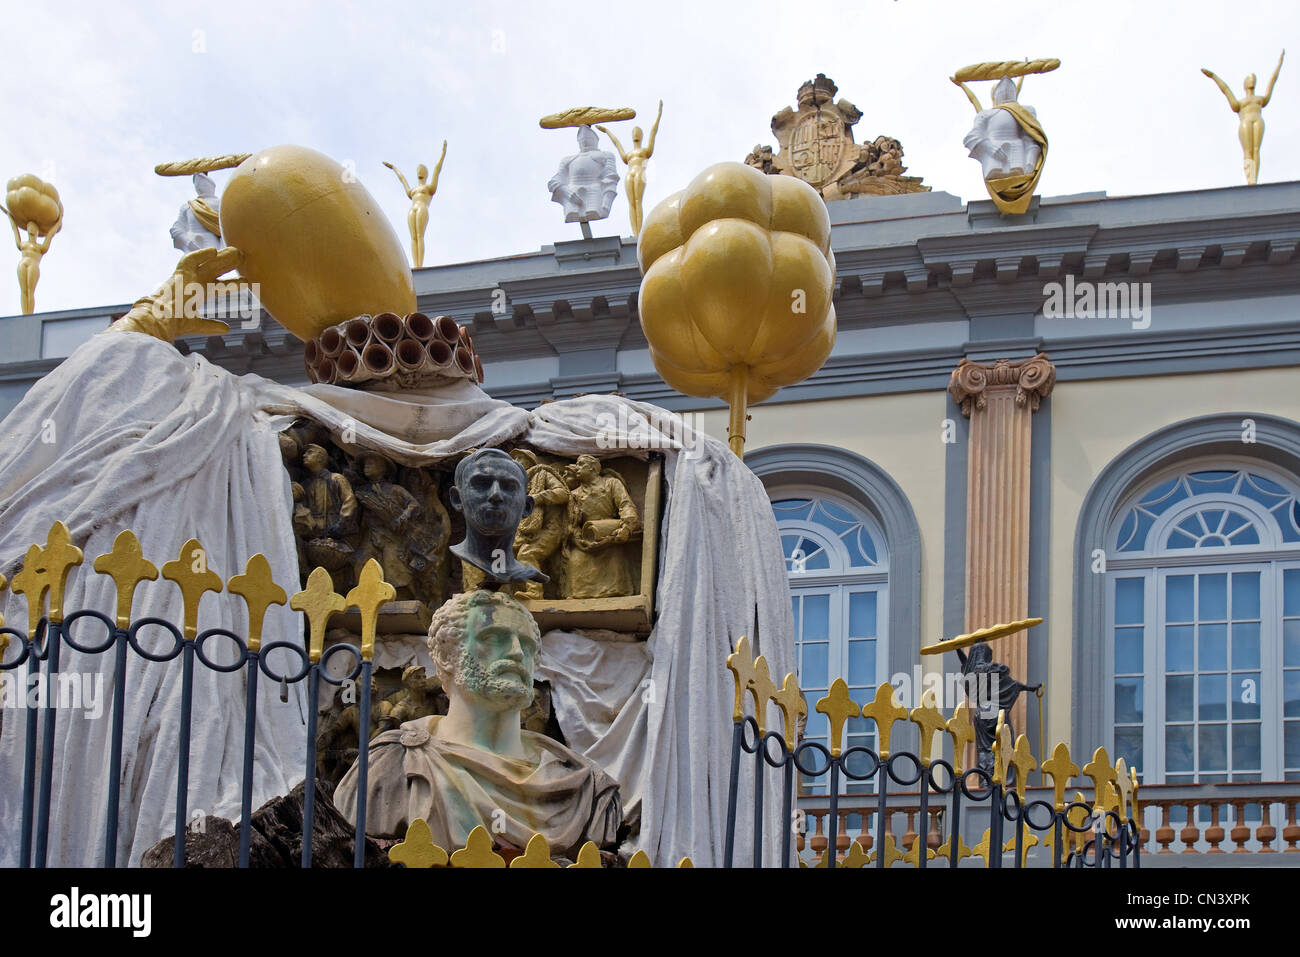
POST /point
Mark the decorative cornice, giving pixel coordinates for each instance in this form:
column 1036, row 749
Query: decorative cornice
column 1033, row 380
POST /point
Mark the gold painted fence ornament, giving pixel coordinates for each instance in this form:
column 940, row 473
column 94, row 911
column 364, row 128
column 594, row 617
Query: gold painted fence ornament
column 128, row 567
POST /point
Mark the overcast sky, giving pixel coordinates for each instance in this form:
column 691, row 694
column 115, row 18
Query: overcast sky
column 95, row 95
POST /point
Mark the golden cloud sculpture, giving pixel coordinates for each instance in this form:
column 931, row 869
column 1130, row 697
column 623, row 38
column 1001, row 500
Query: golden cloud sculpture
column 737, row 279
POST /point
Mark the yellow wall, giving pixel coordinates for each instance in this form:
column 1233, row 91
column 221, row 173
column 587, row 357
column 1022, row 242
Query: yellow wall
column 900, row 433
column 1092, row 422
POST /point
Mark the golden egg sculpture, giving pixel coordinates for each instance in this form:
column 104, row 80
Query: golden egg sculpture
column 736, row 289
column 314, row 240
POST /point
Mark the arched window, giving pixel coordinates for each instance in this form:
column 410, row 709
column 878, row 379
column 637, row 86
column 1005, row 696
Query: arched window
column 838, row 565
column 1203, row 613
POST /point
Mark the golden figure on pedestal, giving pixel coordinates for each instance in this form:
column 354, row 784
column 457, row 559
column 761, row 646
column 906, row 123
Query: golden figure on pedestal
column 34, row 205
column 602, row 516
column 417, row 220
column 635, row 158
column 1250, row 107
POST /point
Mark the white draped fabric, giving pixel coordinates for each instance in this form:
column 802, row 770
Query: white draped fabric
column 127, row 433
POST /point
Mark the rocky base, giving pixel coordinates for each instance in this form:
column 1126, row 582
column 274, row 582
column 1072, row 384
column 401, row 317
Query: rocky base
column 275, row 839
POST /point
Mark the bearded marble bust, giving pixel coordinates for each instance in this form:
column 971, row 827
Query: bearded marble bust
column 476, row 765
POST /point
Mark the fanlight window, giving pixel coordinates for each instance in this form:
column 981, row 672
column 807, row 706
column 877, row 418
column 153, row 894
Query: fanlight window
column 1199, row 504
column 821, row 535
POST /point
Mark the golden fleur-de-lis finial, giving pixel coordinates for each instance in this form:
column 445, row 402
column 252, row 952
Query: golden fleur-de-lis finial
column 639, row 859
column 1061, row 768
column 790, row 700
column 1023, row 760
column 259, row 591
column 1123, row 787
column 477, row 851
column 741, row 666
column 945, row 849
column 838, row 708
column 190, row 571
column 128, row 567
column 417, row 849
column 1102, row 774
column 59, row 557
column 884, row 710
column 981, row 849
column 963, row 733
column 856, row 857
column 318, row 601
column 32, row 582
column 890, row 850
column 913, row 856
column 1031, row 840
column 929, row 719
column 763, row 689
column 685, row 862
column 537, row 854
column 588, row 858
column 1001, row 749
column 370, row 594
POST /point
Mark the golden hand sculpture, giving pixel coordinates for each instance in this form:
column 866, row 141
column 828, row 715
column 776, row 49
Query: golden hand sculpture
column 1250, row 108
column 635, row 158
column 175, row 308
column 417, row 220
column 35, row 206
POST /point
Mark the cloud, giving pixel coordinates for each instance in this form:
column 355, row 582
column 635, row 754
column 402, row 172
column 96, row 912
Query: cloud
column 123, row 89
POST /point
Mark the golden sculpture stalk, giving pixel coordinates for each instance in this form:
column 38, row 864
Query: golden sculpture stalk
column 739, row 402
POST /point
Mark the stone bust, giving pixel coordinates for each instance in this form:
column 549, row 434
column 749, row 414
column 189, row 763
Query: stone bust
column 476, row 765
column 491, row 489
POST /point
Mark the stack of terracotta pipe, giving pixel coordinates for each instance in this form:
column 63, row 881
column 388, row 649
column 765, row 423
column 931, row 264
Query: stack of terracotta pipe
column 408, row 350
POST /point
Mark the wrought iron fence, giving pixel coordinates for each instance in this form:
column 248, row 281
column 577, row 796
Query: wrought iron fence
column 42, row 581
column 1102, row 833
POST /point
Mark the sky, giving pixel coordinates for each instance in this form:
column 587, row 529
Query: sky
column 117, row 89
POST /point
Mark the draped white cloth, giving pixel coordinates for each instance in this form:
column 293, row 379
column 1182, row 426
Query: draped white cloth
column 127, row 433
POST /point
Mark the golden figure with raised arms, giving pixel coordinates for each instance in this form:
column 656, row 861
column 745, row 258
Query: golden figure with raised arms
column 418, row 217
column 1251, row 110
column 635, row 158
column 34, row 205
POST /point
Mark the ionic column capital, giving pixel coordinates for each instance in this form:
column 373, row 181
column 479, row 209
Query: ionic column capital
column 1032, row 379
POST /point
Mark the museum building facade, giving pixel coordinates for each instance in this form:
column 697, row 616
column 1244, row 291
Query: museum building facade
column 1088, row 413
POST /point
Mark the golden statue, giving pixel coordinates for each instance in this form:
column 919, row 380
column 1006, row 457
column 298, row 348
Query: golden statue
column 417, row 220
column 34, row 205
column 1251, row 110
column 635, row 159
column 602, row 518
column 542, row 531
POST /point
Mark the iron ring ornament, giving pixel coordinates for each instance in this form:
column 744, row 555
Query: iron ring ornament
column 109, row 626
